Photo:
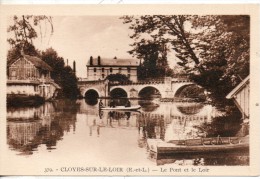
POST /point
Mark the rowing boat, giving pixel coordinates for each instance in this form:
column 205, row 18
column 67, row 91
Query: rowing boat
column 195, row 146
column 122, row 108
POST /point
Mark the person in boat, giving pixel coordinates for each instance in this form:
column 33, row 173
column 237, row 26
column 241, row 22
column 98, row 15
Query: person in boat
column 101, row 105
column 112, row 103
column 128, row 104
column 100, row 113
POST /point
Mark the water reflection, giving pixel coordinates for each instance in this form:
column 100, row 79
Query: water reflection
column 29, row 128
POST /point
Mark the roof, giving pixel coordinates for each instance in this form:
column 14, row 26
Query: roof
column 115, row 62
column 56, row 85
column 37, row 62
column 238, row 88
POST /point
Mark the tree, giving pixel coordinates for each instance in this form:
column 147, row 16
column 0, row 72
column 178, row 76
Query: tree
column 152, row 50
column 224, row 50
column 154, row 57
column 69, row 83
column 62, row 75
column 166, row 29
column 24, row 32
column 149, row 53
column 197, row 42
column 120, row 78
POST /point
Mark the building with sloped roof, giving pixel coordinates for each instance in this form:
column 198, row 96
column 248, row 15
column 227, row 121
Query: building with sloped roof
column 240, row 94
column 29, row 75
column 99, row 68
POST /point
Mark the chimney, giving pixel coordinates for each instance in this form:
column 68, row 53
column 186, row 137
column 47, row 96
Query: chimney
column 74, row 66
column 99, row 61
column 91, row 61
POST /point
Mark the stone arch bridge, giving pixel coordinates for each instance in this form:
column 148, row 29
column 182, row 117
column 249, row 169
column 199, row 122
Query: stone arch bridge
column 167, row 87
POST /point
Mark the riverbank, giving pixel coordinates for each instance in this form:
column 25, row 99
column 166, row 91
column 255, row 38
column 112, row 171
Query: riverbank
column 21, row 100
column 181, row 100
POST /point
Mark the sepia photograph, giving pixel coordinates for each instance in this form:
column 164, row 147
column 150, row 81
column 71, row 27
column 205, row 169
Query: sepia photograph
column 127, row 94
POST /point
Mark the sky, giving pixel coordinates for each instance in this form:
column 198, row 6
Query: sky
column 79, row 37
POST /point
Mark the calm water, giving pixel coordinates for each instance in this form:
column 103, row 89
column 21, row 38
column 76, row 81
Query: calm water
column 73, row 131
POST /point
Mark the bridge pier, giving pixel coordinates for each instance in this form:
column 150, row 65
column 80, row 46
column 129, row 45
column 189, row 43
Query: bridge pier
column 100, row 87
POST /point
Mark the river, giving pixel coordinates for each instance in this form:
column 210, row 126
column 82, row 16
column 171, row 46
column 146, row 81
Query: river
column 76, row 132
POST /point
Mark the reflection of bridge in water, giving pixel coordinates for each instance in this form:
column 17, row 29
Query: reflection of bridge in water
column 164, row 121
column 176, row 120
column 181, row 111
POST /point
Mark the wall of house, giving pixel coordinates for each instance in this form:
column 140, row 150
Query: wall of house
column 242, row 100
column 28, row 89
column 100, row 73
column 44, row 90
column 47, row 90
column 22, row 72
column 23, row 69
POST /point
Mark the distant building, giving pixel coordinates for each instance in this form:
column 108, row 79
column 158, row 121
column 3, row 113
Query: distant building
column 30, row 76
column 99, row 68
column 240, row 95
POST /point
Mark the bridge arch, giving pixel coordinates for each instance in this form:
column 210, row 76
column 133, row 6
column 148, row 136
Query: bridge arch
column 91, row 92
column 189, row 90
column 144, row 90
column 118, row 92
column 190, row 108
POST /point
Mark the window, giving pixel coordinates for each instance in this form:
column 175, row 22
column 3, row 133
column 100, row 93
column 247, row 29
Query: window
column 103, row 69
column 95, row 70
column 111, row 70
column 103, row 76
column 35, row 88
column 128, row 69
column 13, row 73
column 119, row 70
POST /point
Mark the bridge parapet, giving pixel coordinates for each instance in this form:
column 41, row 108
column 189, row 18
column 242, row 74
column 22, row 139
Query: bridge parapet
column 147, row 81
column 180, row 80
column 85, row 82
column 136, row 83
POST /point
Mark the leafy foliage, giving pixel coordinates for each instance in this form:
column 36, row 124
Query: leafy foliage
column 29, row 49
column 24, row 28
column 24, row 32
column 164, row 29
column 63, row 75
column 212, row 50
column 154, row 63
column 224, row 126
column 120, row 78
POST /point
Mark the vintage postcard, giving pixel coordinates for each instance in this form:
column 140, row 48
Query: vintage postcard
column 130, row 90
